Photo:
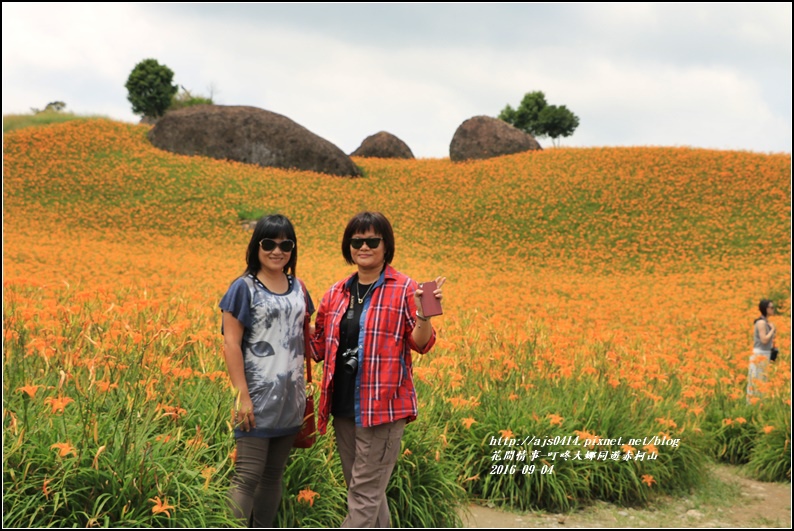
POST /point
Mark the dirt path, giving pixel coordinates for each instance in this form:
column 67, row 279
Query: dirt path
column 729, row 500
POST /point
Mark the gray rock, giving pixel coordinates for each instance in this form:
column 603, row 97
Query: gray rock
column 483, row 137
column 251, row 135
column 383, row 145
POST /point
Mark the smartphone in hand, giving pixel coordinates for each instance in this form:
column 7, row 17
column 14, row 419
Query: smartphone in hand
column 430, row 304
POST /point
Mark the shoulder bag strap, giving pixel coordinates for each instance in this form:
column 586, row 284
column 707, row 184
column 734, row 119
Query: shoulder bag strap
column 306, row 338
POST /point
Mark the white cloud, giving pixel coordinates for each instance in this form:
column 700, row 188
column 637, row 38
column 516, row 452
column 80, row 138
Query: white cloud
column 635, row 74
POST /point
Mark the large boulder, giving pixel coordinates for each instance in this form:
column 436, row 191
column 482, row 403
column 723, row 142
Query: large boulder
column 383, row 145
column 249, row 134
column 483, row 137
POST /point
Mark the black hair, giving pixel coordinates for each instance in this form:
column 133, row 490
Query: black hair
column 271, row 226
column 361, row 223
column 763, row 306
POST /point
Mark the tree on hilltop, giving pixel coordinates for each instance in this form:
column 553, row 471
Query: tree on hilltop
column 150, row 88
column 53, row 106
column 536, row 117
column 557, row 121
column 525, row 117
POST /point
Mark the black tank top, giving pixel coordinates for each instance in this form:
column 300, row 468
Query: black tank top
column 343, row 403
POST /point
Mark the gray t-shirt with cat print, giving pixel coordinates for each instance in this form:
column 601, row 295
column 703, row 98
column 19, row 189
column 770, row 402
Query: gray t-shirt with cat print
column 273, row 352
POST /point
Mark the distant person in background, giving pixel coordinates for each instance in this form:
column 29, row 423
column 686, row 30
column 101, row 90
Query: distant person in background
column 263, row 314
column 366, row 327
column 763, row 341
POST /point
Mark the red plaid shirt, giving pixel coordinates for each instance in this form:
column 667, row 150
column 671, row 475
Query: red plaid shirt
column 384, row 382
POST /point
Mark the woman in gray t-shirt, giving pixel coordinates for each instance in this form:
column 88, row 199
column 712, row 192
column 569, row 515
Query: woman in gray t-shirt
column 263, row 315
column 763, row 341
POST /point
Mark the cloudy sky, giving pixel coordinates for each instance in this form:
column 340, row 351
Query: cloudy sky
column 702, row 75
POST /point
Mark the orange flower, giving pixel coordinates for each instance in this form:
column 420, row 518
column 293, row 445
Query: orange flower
column 456, row 401
column 593, row 217
column 407, row 452
column 58, row 404
column 161, row 506
column 670, row 423
column 594, row 439
column 506, row 434
column 30, row 389
column 628, row 449
column 307, row 496
column 104, row 386
column 64, row 449
column 467, row 422
column 648, row 479
column 555, row 420
column 768, row 429
column 727, row 422
column 45, row 489
column 197, row 441
column 651, row 448
column 740, row 420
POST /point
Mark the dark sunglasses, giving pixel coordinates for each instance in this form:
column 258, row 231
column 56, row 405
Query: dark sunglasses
column 268, row 245
column 372, row 243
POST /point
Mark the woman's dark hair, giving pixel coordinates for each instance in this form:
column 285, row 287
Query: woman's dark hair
column 763, row 306
column 272, row 226
column 362, row 222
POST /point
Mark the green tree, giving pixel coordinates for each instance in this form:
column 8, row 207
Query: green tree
column 149, row 88
column 557, row 121
column 525, row 117
column 53, row 106
column 536, row 117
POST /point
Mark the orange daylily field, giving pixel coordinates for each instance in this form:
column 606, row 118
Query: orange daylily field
column 605, row 292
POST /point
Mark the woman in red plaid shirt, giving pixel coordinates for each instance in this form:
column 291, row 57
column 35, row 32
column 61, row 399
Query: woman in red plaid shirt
column 366, row 327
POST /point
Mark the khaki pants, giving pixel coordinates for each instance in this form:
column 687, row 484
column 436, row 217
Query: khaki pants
column 368, row 457
column 255, row 494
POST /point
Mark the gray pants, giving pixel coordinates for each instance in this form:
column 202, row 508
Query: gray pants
column 256, row 485
column 368, row 457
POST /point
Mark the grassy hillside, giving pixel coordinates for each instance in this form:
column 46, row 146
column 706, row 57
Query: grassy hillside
column 12, row 122
column 602, row 292
column 619, row 207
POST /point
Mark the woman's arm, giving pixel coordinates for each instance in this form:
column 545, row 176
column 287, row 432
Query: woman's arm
column 765, row 333
column 422, row 333
column 233, row 352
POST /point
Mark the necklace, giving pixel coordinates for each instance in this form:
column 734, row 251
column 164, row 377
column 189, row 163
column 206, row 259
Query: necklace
column 358, row 294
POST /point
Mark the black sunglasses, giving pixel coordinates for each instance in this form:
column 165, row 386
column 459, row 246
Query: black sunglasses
column 268, row 245
column 372, row 243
